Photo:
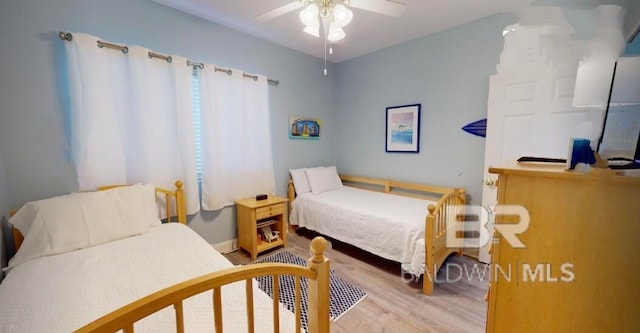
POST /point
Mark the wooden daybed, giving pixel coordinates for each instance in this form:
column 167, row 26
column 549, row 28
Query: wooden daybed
column 443, row 208
column 75, row 291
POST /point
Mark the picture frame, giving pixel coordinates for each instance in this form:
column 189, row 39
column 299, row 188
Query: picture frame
column 301, row 128
column 403, row 129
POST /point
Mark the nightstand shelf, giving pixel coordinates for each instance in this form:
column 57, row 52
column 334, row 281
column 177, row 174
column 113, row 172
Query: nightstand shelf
column 268, row 246
column 264, row 223
column 253, row 214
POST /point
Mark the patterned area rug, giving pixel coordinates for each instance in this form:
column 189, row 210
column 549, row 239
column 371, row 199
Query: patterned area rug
column 342, row 295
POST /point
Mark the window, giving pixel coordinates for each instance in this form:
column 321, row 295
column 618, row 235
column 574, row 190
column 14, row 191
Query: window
column 197, row 126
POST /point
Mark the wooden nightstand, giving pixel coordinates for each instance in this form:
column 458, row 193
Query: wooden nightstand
column 253, row 214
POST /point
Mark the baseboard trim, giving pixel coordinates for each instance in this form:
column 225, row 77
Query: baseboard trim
column 226, row 246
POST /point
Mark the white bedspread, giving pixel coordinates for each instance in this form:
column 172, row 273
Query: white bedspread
column 64, row 292
column 390, row 226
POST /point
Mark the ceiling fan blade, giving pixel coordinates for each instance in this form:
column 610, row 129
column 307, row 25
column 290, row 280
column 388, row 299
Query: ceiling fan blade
column 279, row 11
column 385, row 7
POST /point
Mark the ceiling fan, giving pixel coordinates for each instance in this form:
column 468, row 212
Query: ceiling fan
column 333, row 10
column 386, row 7
column 333, row 15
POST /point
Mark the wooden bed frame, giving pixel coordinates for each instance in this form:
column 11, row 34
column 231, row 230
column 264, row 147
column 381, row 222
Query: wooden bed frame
column 438, row 218
column 317, row 274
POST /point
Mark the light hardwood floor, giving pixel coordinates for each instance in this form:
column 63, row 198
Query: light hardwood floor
column 393, row 305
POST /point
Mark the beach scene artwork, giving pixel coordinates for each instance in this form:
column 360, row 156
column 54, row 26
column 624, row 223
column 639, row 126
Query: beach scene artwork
column 402, row 128
column 403, row 124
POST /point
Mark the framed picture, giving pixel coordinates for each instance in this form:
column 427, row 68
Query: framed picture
column 403, row 129
column 304, row 128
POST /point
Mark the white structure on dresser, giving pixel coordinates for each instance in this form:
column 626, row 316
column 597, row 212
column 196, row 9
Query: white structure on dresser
column 530, row 106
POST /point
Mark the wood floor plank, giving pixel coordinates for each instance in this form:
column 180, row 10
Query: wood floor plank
column 391, row 305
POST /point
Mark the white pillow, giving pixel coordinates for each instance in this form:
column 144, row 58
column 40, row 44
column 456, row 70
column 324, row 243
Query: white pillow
column 299, row 178
column 323, row 179
column 151, row 206
column 79, row 220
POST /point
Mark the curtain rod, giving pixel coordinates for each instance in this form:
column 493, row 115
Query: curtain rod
column 166, row 58
column 102, row 44
column 69, row 37
column 254, row 77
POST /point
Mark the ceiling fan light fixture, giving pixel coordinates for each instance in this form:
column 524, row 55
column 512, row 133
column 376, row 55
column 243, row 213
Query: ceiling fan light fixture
column 335, row 32
column 309, row 15
column 313, row 30
column 342, row 15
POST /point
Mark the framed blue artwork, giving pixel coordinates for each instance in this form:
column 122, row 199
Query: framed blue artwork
column 403, row 129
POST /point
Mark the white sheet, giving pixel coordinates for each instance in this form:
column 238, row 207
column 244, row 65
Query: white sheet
column 390, row 226
column 64, row 292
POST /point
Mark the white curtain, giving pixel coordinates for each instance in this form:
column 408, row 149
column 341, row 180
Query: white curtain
column 131, row 117
column 236, row 137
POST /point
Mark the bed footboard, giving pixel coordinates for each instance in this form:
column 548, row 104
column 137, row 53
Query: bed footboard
column 440, row 220
column 318, row 292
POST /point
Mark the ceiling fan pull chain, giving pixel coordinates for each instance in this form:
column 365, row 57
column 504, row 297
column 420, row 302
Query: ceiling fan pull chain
column 325, row 56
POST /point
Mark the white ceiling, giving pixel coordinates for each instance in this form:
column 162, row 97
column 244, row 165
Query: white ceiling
column 366, row 33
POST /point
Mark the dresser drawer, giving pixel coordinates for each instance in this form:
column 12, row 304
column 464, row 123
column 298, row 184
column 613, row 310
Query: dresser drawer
column 264, row 212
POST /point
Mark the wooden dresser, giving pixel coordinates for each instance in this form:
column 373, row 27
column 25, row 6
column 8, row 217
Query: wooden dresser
column 580, row 270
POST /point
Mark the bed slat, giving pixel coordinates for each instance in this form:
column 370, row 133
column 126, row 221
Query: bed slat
column 217, row 309
column 179, row 317
column 298, row 289
column 167, row 200
column 250, row 314
column 276, row 303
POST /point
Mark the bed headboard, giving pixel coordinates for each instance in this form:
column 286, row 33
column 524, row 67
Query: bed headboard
column 171, row 198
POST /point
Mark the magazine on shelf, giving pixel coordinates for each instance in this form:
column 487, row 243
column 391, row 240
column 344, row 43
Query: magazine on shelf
column 263, row 223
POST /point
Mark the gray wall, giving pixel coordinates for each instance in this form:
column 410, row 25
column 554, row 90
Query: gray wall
column 632, row 19
column 4, row 211
column 33, row 89
column 448, row 73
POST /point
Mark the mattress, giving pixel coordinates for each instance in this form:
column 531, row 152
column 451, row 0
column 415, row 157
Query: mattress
column 387, row 225
column 64, row 292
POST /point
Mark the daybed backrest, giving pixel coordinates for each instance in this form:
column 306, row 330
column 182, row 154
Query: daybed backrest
column 387, row 186
column 317, row 275
column 396, row 187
